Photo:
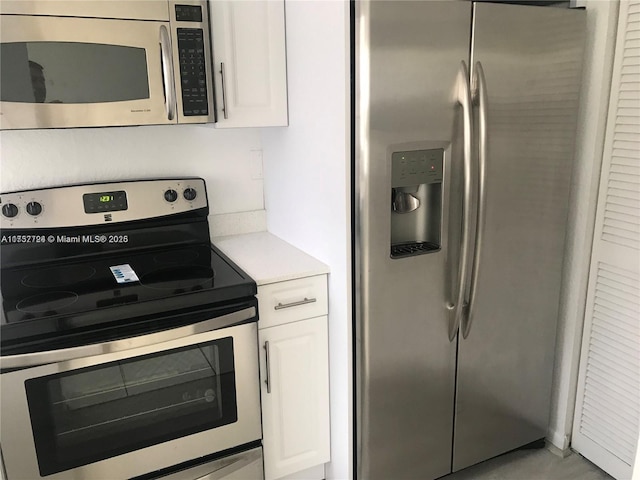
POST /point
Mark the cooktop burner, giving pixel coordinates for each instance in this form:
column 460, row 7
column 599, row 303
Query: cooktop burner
column 181, row 277
column 59, row 276
column 179, row 256
column 48, row 303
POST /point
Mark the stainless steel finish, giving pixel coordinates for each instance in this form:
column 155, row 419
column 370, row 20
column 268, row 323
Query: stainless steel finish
column 479, row 94
column 123, row 9
column 243, row 466
column 3, row 472
column 267, row 380
column 306, row 300
column 458, row 309
column 407, row 60
column 101, row 22
column 404, row 202
column 167, row 73
column 532, row 59
column 143, row 34
column 224, row 91
column 20, row 456
column 67, row 354
column 504, row 216
column 63, row 207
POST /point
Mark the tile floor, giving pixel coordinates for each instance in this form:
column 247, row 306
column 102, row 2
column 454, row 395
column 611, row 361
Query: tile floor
column 532, row 465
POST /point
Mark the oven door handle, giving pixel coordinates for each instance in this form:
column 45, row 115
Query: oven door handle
column 242, row 465
column 65, row 354
column 251, row 460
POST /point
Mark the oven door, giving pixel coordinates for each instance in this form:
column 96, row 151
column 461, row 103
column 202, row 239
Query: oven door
column 85, row 72
column 135, row 411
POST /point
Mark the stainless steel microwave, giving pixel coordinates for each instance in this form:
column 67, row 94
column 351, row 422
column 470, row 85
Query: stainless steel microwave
column 92, row 63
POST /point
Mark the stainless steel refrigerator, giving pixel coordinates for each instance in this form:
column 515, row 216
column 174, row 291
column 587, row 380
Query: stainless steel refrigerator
column 465, row 118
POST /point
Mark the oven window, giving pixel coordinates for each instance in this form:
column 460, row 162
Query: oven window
column 83, row 416
column 72, row 72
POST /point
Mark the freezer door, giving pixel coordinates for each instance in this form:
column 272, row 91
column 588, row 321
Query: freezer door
column 408, row 57
column 532, row 60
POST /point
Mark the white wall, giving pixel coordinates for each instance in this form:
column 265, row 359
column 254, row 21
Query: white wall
column 225, row 159
column 307, row 177
column 601, row 31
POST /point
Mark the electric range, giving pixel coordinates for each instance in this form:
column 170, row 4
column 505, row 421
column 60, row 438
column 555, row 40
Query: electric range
column 122, row 323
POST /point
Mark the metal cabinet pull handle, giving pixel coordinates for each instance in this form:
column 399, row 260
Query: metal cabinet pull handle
column 267, row 379
column 479, row 97
column 463, row 99
column 306, row 300
column 224, row 91
column 167, row 73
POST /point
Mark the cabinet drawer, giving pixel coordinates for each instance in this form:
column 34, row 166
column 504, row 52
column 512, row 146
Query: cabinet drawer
column 285, row 302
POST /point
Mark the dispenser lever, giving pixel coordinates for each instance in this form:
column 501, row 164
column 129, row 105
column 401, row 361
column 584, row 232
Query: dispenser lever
column 404, row 202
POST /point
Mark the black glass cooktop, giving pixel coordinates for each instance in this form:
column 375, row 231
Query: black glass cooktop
column 116, row 288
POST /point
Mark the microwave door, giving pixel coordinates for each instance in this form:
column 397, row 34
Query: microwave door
column 60, row 72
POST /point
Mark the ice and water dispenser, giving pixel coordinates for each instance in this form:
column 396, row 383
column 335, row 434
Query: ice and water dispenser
column 416, row 202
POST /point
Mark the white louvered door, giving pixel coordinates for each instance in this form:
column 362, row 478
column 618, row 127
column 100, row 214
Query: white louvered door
column 608, row 401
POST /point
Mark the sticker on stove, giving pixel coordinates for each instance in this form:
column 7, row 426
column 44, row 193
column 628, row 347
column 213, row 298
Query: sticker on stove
column 124, row 273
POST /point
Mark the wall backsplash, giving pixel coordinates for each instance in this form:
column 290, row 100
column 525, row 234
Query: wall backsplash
column 229, row 160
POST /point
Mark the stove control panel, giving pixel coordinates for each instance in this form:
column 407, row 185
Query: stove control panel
column 100, row 203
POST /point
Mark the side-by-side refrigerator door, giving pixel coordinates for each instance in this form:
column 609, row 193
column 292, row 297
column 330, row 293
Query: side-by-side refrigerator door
column 532, row 63
column 409, row 57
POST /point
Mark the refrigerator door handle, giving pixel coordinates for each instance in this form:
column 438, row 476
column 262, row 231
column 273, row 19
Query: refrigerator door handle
column 479, row 98
column 463, row 99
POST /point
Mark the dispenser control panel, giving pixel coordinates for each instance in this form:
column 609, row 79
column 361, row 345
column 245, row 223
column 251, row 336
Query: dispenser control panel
column 416, row 167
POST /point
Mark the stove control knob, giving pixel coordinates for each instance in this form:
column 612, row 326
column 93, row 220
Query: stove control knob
column 9, row 210
column 171, row 195
column 190, row 194
column 34, row 208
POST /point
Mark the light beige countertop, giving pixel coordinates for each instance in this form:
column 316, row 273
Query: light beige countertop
column 269, row 259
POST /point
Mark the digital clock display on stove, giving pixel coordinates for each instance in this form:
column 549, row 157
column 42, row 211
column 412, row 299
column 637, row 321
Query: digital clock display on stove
column 105, row 201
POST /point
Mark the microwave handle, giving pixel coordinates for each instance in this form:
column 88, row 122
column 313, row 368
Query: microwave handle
column 65, row 354
column 167, row 73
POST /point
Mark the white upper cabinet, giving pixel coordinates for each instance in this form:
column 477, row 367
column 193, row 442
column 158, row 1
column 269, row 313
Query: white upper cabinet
column 250, row 69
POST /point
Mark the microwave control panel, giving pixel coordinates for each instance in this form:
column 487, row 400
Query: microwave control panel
column 188, row 13
column 193, row 76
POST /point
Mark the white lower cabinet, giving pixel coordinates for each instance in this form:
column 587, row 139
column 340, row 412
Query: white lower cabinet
column 295, row 396
column 293, row 305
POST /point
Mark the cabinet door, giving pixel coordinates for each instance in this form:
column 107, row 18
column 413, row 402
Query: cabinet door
column 607, row 416
column 250, row 63
column 295, row 396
